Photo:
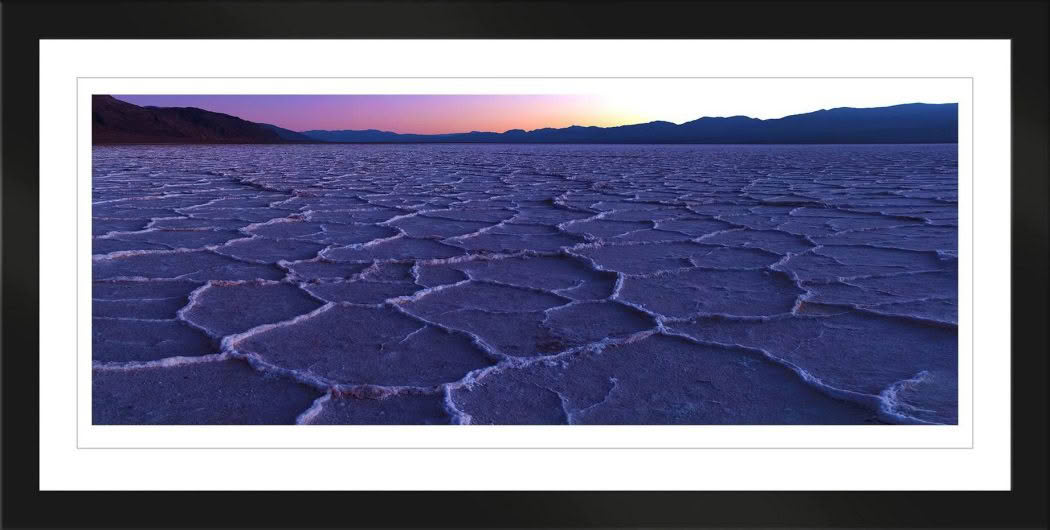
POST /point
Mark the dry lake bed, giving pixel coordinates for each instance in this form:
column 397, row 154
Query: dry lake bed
column 524, row 284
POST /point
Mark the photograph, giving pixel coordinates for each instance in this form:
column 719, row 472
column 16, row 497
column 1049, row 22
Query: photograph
column 472, row 264
column 621, row 258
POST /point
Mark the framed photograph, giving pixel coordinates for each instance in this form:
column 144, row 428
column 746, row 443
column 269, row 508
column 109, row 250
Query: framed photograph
column 305, row 265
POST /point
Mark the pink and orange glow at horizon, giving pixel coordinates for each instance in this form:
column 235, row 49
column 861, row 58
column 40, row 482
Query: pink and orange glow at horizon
column 421, row 114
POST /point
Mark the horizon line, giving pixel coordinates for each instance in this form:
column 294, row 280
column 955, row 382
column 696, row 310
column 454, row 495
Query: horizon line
column 602, row 126
column 453, row 132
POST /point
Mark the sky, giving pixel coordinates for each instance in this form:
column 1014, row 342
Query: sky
column 445, row 113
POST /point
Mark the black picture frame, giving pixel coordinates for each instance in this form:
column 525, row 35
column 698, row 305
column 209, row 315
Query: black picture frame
column 24, row 23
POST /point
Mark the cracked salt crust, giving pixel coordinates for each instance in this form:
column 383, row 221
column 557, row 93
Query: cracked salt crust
column 524, row 284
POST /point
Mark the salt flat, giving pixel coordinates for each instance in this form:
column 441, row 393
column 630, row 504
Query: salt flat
column 598, row 284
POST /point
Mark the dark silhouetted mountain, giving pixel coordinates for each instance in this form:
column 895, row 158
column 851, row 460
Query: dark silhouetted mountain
column 909, row 123
column 118, row 122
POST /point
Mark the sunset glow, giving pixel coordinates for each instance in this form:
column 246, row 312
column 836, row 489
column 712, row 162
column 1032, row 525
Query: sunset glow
column 423, row 114
column 456, row 113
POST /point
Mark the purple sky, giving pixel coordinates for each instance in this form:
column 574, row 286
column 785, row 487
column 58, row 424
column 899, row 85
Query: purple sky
column 433, row 113
column 425, row 114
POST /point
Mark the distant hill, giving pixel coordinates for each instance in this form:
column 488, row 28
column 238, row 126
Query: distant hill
column 289, row 135
column 116, row 121
column 909, row 123
column 371, row 136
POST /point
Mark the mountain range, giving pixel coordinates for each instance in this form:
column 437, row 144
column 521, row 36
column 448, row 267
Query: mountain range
column 118, row 122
